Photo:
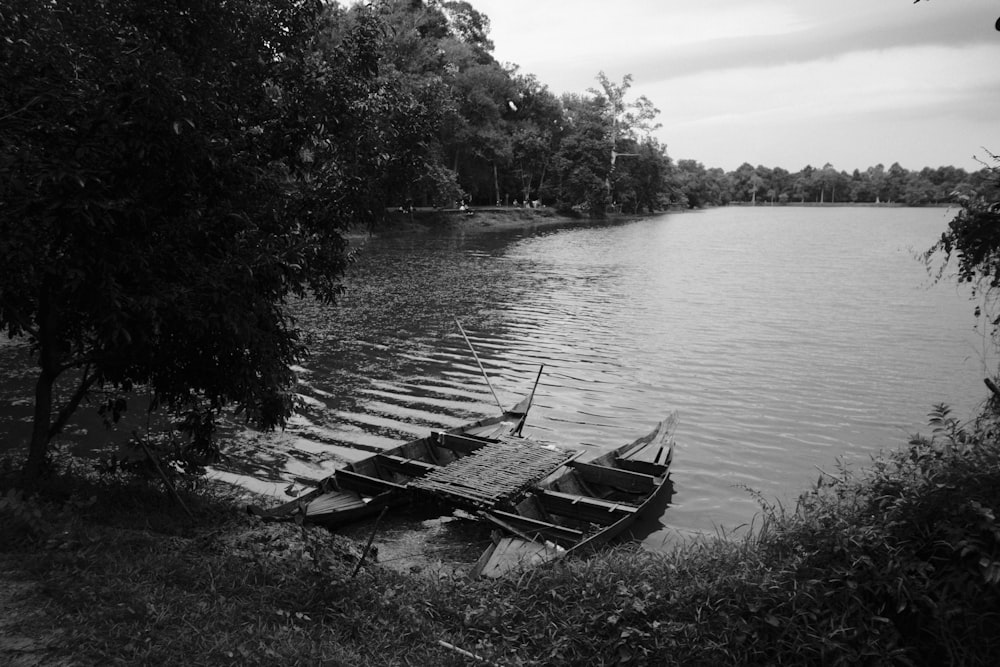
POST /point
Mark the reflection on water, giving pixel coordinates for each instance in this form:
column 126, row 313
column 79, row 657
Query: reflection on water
column 784, row 337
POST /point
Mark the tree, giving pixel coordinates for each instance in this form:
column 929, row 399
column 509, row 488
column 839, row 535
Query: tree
column 624, row 121
column 644, row 181
column 582, row 159
column 973, row 238
column 469, row 25
column 746, row 182
column 168, row 182
column 536, row 130
column 895, row 182
column 395, row 153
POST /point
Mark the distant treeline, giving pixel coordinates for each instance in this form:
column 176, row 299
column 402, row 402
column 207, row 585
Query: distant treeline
column 694, row 186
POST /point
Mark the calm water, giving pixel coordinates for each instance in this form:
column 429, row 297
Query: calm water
column 784, row 337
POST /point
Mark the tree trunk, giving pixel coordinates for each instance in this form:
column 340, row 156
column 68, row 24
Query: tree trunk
column 39, row 433
column 496, row 184
column 42, row 419
column 525, row 187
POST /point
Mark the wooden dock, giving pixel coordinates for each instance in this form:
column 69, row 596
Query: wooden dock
column 492, row 474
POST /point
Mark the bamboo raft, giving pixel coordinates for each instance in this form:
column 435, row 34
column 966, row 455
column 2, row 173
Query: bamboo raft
column 581, row 504
column 493, row 474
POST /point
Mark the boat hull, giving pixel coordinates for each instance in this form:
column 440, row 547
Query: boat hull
column 364, row 488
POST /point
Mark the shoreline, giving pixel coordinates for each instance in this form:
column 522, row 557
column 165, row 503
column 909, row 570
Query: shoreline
column 484, row 220
column 505, row 218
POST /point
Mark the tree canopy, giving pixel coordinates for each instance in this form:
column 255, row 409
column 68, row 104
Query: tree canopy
column 973, row 241
column 171, row 173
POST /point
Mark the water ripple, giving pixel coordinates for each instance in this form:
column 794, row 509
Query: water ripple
column 785, row 338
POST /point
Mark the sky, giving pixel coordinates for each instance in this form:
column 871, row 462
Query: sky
column 782, row 83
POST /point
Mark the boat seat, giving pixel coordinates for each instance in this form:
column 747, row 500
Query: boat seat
column 405, row 466
column 584, row 508
column 625, row 480
column 461, row 444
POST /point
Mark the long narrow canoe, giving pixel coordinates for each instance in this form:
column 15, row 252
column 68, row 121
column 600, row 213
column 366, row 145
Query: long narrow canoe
column 363, row 488
column 581, row 505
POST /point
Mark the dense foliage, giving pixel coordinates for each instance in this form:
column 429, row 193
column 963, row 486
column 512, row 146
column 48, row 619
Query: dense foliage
column 170, row 173
column 504, row 137
column 973, row 240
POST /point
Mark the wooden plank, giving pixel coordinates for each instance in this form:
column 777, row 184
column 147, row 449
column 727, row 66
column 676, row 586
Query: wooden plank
column 334, row 501
column 411, row 467
column 625, row 480
column 650, row 447
column 543, row 529
column 511, row 554
column 371, row 486
column 584, row 508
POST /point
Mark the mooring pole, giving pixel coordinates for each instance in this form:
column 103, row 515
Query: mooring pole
column 531, row 399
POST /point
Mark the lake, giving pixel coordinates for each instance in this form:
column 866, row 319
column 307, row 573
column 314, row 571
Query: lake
column 785, row 338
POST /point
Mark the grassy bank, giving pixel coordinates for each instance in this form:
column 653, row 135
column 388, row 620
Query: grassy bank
column 897, row 564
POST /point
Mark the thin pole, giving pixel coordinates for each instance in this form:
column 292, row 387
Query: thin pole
column 483, row 370
column 166, row 480
column 371, row 538
column 531, row 399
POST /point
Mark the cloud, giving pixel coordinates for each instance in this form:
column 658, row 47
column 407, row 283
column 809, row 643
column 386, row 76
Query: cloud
column 850, row 110
column 779, row 82
column 873, row 30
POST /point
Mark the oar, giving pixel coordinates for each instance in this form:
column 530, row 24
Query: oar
column 483, row 370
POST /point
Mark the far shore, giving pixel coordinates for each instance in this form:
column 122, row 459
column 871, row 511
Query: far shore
column 491, row 219
column 503, row 218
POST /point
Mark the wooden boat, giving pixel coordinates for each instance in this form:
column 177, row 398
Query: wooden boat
column 363, row 488
column 581, row 505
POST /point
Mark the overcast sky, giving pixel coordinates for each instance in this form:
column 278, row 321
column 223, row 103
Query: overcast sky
column 780, row 82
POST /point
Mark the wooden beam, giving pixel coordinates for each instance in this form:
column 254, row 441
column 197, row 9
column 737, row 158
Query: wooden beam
column 643, row 467
column 530, row 526
column 371, row 486
column 625, row 480
column 411, row 467
column 584, row 508
column 461, row 444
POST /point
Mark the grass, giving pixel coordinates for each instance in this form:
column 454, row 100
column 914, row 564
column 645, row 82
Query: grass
column 896, row 564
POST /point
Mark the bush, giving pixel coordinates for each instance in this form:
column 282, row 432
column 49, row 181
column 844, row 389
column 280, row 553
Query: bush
column 899, row 564
column 905, row 559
